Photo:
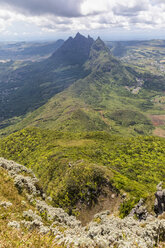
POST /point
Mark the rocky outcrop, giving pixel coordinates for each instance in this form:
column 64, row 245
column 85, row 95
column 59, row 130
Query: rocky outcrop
column 34, row 221
column 57, row 214
column 127, row 232
column 159, row 206
column 140, row 211
column 14, row 168
column 111, row 231
column 21, row 182
column 28, row 183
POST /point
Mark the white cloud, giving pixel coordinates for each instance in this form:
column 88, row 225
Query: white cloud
column 95, row 7
column 77, row 15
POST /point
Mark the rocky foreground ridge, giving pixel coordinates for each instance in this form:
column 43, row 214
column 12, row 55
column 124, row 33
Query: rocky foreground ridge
column 105, row 230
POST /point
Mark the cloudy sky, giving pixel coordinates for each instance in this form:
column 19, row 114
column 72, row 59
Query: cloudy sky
column 53, row 19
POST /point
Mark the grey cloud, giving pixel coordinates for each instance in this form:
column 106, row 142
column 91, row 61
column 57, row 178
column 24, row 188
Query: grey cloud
column 5, row 17
column 157, row 1
column 61, row 28
column 60, row 20
column 103, row 20
column 129, row 11
column 137, row 20
column 56, row 25
column 67, row 8
column 106, row 20
column 64, row 22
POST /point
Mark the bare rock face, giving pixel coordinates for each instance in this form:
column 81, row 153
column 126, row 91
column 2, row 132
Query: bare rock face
column 140, row 211
column 159, row 206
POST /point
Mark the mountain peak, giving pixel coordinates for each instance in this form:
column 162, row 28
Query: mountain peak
column 78, row 35
column 74, row 50
column 99, row 39
column 99, row 45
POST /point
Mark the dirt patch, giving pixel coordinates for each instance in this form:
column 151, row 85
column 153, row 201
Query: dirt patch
column 158, row 120
column 109, row 200
column 159, row 132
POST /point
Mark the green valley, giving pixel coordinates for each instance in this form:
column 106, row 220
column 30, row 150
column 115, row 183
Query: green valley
column 111, row 97
column 76, row 167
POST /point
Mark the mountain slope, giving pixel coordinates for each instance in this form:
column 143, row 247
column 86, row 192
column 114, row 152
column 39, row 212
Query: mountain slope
column 74, row 51
column 34, row 84
column 109, row 96
column 13, row 205
column 103, row 100
column 77, row 167
column 28, row 220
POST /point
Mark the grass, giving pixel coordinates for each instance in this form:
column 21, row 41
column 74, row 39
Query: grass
column 10, row 237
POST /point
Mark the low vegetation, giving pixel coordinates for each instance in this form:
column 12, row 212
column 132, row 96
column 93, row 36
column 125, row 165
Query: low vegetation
column 13, row 237
column 74, row 167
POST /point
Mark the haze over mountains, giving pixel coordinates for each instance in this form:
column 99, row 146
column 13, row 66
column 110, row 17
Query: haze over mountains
column 27, row 50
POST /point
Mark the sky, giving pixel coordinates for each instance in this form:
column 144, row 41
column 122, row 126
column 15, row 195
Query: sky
column 25, row 20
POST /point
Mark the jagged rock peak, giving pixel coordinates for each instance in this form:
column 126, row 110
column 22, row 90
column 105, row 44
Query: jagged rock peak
column 70, row 38
column 82, row 37
column 74, row 50
column 99, row 45
column 78, row 35
column 99, row 39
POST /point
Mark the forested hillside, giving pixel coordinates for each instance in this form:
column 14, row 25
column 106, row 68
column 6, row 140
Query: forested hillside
column 109, row 96
column 76, row 167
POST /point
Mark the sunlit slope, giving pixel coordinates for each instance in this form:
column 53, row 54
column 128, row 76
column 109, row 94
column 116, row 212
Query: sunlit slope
column 75, row 167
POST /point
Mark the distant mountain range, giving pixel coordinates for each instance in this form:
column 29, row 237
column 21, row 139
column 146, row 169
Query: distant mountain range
column 28, row 50
column 80, row 87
